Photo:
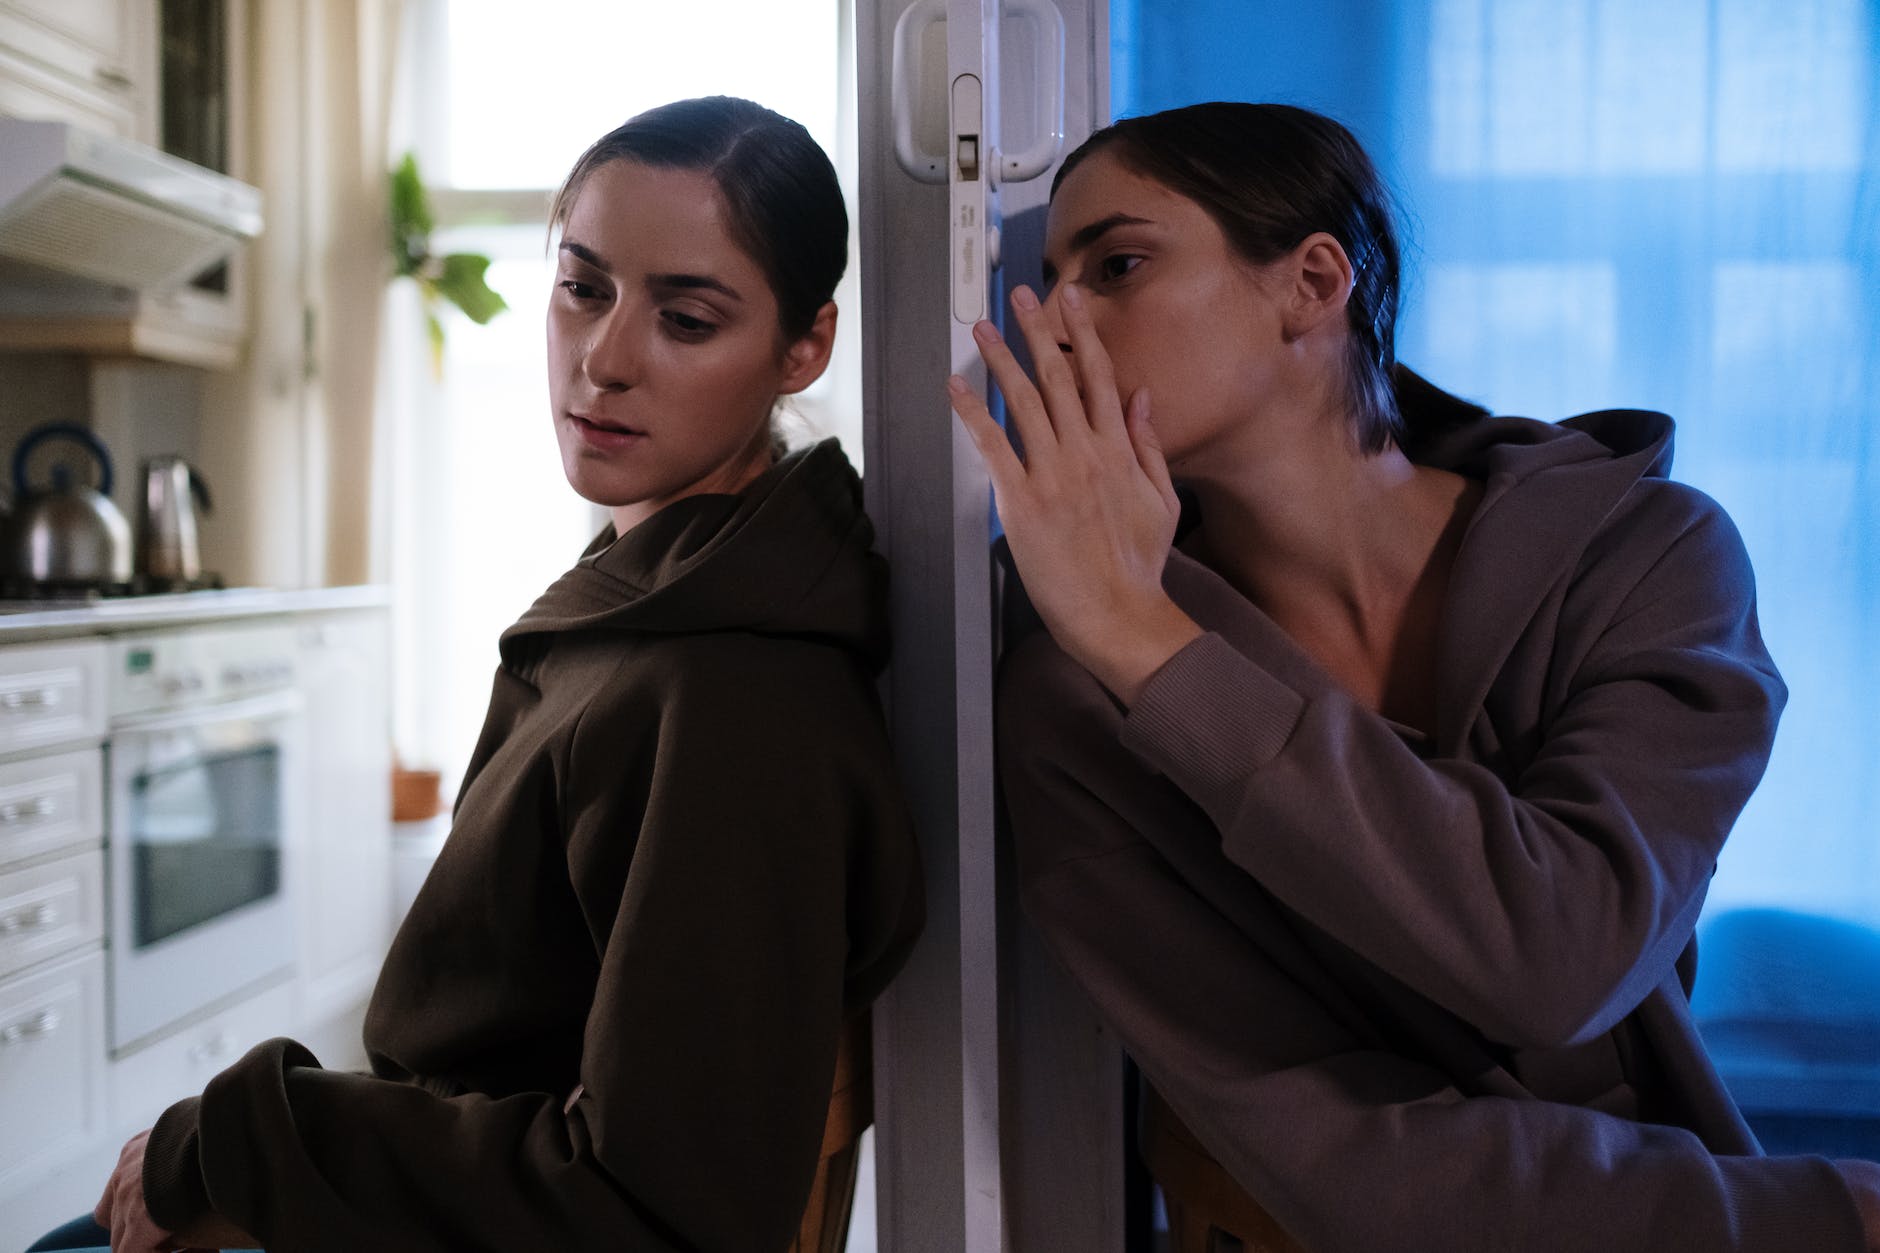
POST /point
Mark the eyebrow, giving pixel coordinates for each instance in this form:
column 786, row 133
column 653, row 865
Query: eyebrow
column 1088, row 235
column 684, row 281
column 705, row 281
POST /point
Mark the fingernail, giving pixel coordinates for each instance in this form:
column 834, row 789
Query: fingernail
column 956, row 384
column 1073, row 297
column 1024, row 299
column 985, row 332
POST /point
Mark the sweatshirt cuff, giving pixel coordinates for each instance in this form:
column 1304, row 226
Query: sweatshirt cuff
column 175, row 1192
column 1209, row 717
column 1783, row 1203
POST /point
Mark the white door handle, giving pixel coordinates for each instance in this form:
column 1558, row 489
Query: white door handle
column 1047, row 87
column 1047, row 90
column 914, row 22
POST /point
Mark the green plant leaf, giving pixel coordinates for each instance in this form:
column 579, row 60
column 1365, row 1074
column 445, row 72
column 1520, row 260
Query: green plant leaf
column 412, row 221
column 458, row 277
column 462, row 283
column 434, row 332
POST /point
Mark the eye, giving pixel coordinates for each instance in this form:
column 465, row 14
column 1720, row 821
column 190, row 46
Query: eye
column 1116, row 266
column 579, row 290
column 685, row 326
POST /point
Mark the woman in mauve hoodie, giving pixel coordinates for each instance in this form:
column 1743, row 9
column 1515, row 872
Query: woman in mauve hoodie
column 680, row 858
column 1374, row 804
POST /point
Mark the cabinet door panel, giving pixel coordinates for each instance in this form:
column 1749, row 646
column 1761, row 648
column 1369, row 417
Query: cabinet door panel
column 92, row 41
column 344, row 674
column 51, row 1064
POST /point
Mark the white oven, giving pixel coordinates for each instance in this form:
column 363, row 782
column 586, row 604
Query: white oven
column 204, row 761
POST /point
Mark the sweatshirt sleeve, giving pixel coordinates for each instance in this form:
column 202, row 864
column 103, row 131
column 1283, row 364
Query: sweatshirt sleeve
column 1543, row 910
column 1352, row 1147
column 716, row 886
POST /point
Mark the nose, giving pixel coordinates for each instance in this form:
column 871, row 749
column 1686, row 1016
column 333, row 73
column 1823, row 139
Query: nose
column 610, row 360
column 1053, row 309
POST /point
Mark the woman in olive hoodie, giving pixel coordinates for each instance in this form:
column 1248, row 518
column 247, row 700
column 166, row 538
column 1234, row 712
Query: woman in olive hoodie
column 679, row 857
column 1377, row 815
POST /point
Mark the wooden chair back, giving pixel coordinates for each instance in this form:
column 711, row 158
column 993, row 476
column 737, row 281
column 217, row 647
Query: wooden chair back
column 1203, row 1202
column 825, row 1225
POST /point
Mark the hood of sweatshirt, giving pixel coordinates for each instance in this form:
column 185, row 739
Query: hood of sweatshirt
column 790, row 555
column 1629, row 443
column 1548, row 488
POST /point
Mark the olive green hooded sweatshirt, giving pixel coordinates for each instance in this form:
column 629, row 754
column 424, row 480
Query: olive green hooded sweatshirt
column 678, row 860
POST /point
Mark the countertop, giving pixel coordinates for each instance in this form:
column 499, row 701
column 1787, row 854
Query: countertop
column 24, row 620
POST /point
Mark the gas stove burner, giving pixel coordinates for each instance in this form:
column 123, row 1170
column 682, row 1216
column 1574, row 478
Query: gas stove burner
column 54, row 595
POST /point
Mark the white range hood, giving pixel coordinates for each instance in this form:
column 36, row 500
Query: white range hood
column 113, row 211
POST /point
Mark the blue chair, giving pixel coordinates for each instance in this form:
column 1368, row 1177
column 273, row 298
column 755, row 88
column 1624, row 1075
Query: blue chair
column 1789, row 1006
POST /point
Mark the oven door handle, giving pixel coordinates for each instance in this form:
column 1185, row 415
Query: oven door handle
column 271, row 705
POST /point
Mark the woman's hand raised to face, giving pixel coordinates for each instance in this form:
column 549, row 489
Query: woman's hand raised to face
column 1090, row 512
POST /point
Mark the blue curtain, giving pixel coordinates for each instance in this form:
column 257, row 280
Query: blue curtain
column 1674, row 206
column 1671, row 206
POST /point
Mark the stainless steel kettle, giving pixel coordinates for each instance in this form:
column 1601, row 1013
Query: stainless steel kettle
column 66, row 536
column 168, row 550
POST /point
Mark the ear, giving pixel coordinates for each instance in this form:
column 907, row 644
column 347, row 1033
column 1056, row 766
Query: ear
column 1318, row 275
column 806, row 359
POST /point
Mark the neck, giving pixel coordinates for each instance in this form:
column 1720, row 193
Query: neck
column 1331, row 542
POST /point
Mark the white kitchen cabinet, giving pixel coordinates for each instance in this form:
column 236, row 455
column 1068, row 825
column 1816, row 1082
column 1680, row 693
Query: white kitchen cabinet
column 167, row 73
column 49, row 907
column 51, row 1082
column 50, row 803
column 345, row 675
column 51, row 694
column 145, row 1083
column 66, row 1104
column 93, row 62
column 53, row 1107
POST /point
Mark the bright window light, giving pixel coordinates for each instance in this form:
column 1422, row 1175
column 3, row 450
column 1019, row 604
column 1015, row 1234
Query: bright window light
column 529, row 93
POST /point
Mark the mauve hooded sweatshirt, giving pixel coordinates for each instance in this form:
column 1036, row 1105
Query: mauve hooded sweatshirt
column 679, row 859
column 1431, row 993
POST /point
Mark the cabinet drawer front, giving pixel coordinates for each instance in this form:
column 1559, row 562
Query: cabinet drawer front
column 49, row 908
column 51, row 1063
column 51, row 695
column 50, row 802
column 149, row 1079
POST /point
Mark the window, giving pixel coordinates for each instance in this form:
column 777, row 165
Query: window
column 499, row 108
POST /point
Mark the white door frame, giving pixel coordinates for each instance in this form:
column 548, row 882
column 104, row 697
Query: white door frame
column 997, row 1096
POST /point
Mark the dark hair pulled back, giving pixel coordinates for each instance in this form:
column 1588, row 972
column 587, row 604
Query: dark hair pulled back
column 1270, row 175
column 779, row 189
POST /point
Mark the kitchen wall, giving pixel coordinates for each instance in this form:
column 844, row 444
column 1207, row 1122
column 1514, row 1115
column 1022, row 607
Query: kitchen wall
column 255, row 534
column 275, row 434
column 139, row 409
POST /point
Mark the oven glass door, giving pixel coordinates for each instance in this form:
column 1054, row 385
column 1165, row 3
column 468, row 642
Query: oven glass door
column 200, row 845
column 204, row 823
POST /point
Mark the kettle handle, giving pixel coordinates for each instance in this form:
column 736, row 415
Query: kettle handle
column 61, row 430
column 199, row 487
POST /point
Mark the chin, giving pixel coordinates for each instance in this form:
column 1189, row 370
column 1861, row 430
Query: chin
column 596, row 490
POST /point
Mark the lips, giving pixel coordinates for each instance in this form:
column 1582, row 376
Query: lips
column 606, row 425
column 601, row 433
